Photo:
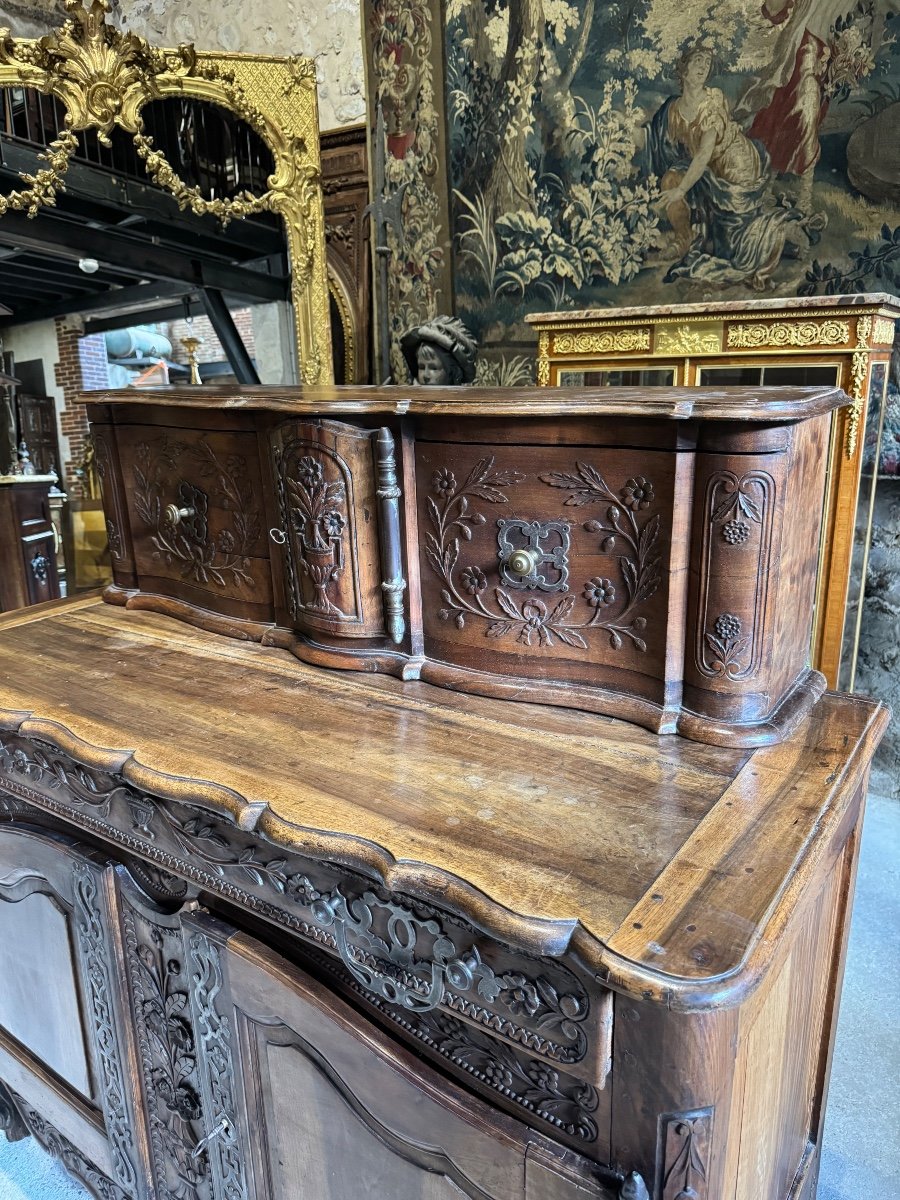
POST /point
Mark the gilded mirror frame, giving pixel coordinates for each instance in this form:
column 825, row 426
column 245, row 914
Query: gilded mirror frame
column 104, row 77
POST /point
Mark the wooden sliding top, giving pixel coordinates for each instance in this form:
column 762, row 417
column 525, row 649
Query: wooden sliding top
column 556, row 831
column 680, row 404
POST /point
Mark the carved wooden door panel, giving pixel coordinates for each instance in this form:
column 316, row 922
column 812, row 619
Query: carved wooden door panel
column 61, row 1032
column 339, row 528
column 157, row 981
column 311, row 1100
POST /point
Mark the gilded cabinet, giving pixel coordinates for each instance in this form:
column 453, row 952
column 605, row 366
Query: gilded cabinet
column 845, row 341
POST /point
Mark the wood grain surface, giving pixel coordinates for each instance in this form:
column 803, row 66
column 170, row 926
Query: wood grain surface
column 711, row 404
column 555, row 830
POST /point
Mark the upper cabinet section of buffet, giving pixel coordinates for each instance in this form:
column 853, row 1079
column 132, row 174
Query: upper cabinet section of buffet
column 650, row 557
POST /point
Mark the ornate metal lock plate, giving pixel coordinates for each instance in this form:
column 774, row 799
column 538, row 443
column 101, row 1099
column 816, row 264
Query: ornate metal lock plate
column 542, row 548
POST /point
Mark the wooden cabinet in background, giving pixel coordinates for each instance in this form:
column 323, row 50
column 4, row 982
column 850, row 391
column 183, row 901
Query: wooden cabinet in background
column 845, row 341
column 345, row 189
column 28, row 542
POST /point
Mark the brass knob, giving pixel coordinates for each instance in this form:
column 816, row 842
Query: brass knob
column 523, row 562
column 174, row 514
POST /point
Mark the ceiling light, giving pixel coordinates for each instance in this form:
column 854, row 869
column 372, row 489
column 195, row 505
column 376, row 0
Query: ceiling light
column 88, row 265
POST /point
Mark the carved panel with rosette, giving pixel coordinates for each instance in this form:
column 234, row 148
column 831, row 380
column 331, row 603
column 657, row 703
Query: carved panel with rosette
column 742, row 534
column 118, row 529
column 738, row 518
column 597, row 527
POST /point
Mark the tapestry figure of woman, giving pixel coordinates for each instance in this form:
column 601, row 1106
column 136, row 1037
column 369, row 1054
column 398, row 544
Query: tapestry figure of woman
column 715, row 186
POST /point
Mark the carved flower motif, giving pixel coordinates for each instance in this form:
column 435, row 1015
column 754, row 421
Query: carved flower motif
column 727, row 627
column 181, row 1099
column 443, row 482
column 225, row 541
column 599, row 593
column 309, row 471
column 333, row 523
column 299, row 888
column 637, row 493
column 497, row 1075
column 736, row 532
column 521, row 996
column 544, row 1077
column 535, row 614
column 474, row 580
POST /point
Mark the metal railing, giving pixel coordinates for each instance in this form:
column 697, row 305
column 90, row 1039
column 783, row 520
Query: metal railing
column 208, row 146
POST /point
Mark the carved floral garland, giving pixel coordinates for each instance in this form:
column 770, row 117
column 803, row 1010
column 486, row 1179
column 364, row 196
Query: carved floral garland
column 101, row 75
column 169, row 1055
column 449, row 510
column 202, row 559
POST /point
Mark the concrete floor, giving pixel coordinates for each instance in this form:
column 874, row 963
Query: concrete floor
column 861, row 1145
column 861, row 1153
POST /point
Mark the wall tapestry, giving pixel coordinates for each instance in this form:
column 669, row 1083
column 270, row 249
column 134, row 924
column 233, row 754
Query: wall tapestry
column 405, row 76
column 668, row 151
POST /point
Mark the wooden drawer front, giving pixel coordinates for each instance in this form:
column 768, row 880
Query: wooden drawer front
column 217, row 554
column 325, row 481
column 595, row 605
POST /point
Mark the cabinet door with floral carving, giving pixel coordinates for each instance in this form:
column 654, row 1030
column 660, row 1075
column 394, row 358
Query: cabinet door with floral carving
column 317, row 1101
column 329, row 502
column 195, row 508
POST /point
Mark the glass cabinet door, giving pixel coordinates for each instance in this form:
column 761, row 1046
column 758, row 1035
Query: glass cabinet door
column 619, row 377
column 862, row 533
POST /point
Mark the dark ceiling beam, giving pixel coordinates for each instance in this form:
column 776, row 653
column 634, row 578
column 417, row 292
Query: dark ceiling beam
column 150, row 316
column 227, row 333
column 134, row 299
column 15, row 288
column 129, row 256
column 143, row 201
column 54, row 271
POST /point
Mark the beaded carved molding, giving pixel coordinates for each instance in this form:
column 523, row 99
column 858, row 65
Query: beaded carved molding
column 104, row 77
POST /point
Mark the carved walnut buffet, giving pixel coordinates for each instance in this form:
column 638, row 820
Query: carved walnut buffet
column 345, row 933
column 653, row 560
column 839, row 340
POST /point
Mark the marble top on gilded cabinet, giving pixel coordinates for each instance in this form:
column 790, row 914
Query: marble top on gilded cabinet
column 874, row 300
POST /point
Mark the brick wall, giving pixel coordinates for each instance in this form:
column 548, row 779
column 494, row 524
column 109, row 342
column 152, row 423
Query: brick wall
column 81, row 366
column 211, row 351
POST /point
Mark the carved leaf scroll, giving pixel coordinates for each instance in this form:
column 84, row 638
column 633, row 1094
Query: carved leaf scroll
column 159, row 986
column 96, row 967
column 202, row 559
column 532, row 621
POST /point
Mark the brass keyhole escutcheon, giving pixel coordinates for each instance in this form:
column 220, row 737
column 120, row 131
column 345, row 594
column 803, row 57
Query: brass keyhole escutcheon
column 523, row 562
column 174, row 514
